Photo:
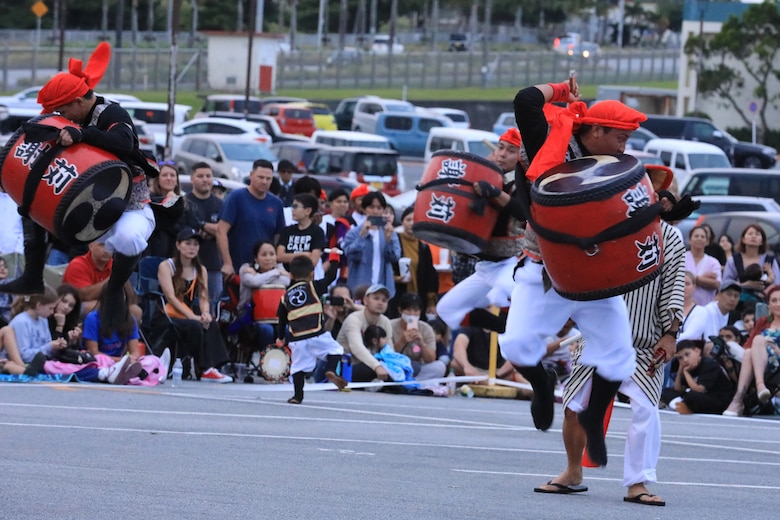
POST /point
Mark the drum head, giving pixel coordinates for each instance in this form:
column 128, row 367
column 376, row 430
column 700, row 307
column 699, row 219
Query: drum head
column 449, row 238
column 100, row 198
column 596, row 177
column 275, row 364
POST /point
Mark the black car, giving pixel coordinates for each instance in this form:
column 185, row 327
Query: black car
column 690, row 129
column 749, row 155
column 344, row 112
column 300, row 153
column 458, row 42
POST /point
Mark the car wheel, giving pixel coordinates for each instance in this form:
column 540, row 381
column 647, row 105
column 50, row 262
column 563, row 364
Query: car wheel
column 752, row 162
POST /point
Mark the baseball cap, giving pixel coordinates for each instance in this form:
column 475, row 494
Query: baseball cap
column 378, row 287
column 730, row 285
column 186, row 234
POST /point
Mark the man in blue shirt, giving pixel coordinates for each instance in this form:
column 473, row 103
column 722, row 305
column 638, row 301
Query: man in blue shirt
column 249, row 215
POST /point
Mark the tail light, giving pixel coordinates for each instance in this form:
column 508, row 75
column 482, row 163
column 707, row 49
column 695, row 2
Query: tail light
column 262, row 139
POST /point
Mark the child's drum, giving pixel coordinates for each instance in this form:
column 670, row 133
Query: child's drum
column 265, row 303
column 82, row 190
column 444, row 212
column 275, row 364
column 604, row 200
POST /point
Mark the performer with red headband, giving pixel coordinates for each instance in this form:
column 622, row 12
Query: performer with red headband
column 105, row 125
column 491, row 283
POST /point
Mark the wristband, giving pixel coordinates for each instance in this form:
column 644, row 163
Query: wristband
column 561, row 92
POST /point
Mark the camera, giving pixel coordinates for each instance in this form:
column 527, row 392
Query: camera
column 378, row 221
column 334, row 300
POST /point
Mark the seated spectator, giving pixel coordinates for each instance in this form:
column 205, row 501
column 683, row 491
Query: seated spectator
column 762, row 350
column 746, row 321
column 701, row 385
column 10, row 360
column 372, row 248
column 89, row 274
column 100, row 339
column 733, row 339
column 702, row 325
column 31, row 326
column 339, row 305
column 421, row 278
column 365, row 367
column 471, row 355
column 416, row 339
column 66, row 320
column 183, row 281
column 6, row 299
column 752, row 250
column 707, row 270
column 265, row 271
column 443, row 340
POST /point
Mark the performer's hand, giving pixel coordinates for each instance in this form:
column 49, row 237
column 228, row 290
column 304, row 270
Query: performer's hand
column 486, row 190
column 69, row 135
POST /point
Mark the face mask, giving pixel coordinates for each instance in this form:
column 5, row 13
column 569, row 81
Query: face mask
column 409, row 318
column 429, row 316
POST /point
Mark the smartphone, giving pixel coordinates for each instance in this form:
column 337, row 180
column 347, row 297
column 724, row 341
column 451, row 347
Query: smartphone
column 334, row 300
column 378, row 221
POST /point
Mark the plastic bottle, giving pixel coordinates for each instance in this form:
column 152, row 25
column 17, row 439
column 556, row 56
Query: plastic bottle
column 178, row 370
column 451, row 382
column 466, row 391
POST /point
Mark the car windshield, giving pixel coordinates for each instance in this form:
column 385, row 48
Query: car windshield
column 320, row 111
column 376, row 164
column 248, row 151
column 457, row 118
column 482, row 148
column 708, row 160
column 400, row 108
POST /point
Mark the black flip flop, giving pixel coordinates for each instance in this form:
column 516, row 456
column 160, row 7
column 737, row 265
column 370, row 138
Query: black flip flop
column 561, row 489
column 638, row 500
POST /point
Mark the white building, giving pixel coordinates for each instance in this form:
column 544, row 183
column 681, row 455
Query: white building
column 228, row 56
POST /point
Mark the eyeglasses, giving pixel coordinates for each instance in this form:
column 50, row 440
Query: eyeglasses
column 166, row 163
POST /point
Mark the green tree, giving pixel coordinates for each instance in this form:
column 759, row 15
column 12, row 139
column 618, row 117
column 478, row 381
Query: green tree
column 744, row 52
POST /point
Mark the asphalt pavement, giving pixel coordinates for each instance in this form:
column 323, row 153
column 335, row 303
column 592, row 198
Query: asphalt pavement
column 203, row 450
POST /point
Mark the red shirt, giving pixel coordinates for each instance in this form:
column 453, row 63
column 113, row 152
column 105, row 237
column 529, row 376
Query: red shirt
column 82, row 272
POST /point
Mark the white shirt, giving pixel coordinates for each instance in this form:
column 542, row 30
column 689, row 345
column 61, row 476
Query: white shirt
column 703, row 322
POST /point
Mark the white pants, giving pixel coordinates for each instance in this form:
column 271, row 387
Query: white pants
column 643, row 440
column 130, row 233
column 306, row 352
column 534, row 315
column 491, row 284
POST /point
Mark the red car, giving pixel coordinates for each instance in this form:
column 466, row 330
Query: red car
column 292, row 120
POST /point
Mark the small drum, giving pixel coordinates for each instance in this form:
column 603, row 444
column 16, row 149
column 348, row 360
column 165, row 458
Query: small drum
column 275, row 364
column 265, row 303
column 444, row 212
column 598, row 235
column 82, row 190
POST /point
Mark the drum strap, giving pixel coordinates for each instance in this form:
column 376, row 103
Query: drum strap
column 33, row 180
column 640, row 218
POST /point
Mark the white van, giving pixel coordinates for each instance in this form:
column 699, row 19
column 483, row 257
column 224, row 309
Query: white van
column 366, row 109
column 155, row 115
column 478, row 142
column 685, row 156
column 347, row 138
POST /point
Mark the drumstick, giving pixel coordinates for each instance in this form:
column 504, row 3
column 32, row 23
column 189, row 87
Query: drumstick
column 489, row 145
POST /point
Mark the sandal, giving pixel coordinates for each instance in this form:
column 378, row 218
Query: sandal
column 640, row 499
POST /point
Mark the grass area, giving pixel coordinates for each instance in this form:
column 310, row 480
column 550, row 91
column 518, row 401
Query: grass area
column 472, row 94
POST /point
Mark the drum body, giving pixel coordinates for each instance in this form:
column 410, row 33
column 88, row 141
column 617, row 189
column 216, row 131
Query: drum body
column 265, row 302
column 444, row 212
column 583, row 198
column 83, row 189
column 275, row 364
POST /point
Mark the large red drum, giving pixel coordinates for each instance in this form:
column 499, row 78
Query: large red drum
column 82, row 191
column 265, row 303
column 444, row 212
column 585, row 199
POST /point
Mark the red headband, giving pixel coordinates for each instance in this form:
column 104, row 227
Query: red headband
column 67, row 86
column 511, row 136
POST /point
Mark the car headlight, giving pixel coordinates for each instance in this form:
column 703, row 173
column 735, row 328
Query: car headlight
column 586, row 54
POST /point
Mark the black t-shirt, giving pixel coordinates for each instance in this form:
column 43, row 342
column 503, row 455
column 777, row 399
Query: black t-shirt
column 296, row 240
column 196, row 213
column 710, row 375
column 478, row 350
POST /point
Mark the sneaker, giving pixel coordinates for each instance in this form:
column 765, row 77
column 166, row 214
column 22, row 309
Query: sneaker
column 35, row 366
column 165, row 361
column 215, row 376
column 116, row 368
column 128, row 372
column 337, row 380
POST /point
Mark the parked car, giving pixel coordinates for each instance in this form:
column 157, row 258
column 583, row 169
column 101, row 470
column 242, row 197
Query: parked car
column 211, row 125
column 377, row 168
column 347, row 138
column 185, row 182
column 734, row 181
column 749, row 155
column 504, row 122
column 155, row 115
column 408, row 132
column 381, row 45
column 473, row 141
column 323, row 117
column 685, row 156
column 459, row 42
column 145, row 137
column 689, row 129
column 24, row 98
column 268, row 123
column 364, row 118
column 300, row 153
column 230, row 156
column 459, row 118
column 572, row 44
column 11, row 118
column 291, row 118
column 344, row 112
column 346, row 56
column 725, row 203
column 283, row 100
column 216, row 103
column 734, row 223
column 639, row 138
